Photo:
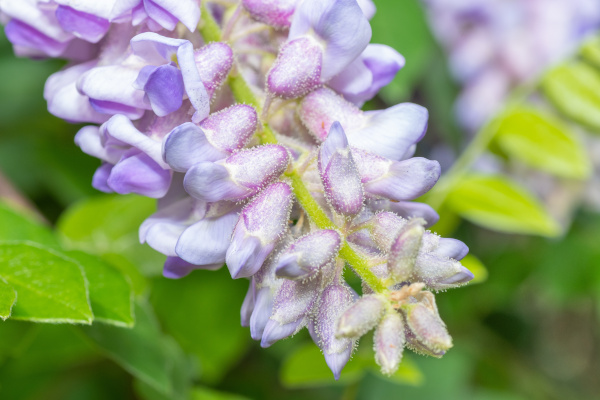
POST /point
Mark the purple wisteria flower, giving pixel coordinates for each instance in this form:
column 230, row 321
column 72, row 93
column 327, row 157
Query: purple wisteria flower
column 247, row 130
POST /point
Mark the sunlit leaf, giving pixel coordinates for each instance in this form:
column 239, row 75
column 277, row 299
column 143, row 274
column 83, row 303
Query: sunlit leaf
column 8, row 297
column 140, row 350
column 542, row 142
column 109, row 224
column 497, row 203
column 110, row 293
column 50, row 287
column 574, row 89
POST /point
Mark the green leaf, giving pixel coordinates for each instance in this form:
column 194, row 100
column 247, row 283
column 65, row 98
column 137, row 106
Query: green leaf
column 497, row 203
column 590, row 51
column 201, row 311
column 204, row 393
column 475, row 265
column 543, row 142
column 17, row 225
column 8, row 297
column 141, row 350
column 306, row 367
column 110, row 293
column 50, row 287
column 408, row 33
column 574, row 89
column 109, row 224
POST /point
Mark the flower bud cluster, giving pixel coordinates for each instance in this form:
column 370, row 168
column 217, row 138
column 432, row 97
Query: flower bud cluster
column 260, row 157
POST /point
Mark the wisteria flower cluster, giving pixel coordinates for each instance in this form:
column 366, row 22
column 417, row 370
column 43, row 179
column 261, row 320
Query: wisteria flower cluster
column 243, row 120
column 495, row 45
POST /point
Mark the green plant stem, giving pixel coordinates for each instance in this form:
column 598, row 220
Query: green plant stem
column 480, row 143
column 210, row 31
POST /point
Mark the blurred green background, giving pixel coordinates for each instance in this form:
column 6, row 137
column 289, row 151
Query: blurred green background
column 530, row 331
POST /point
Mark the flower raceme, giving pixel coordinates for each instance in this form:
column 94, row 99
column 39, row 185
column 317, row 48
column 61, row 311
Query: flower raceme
column 248, row 132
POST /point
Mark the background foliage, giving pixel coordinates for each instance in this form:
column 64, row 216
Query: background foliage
column 529, row 331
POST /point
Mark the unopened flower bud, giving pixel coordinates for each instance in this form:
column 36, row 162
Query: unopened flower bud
column 308, row 255
column 440, row 272
column 427, row 327
column 219, row 135
column 297, row 69
column 239, row 176
column 214, row 61
column 404, row 250
column 260, row 225
column 335, row 299
column 339, row 174
column 276, row 13
column 389, row 342
column 361, row 317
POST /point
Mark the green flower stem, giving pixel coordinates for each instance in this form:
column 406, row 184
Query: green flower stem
column 211, row 32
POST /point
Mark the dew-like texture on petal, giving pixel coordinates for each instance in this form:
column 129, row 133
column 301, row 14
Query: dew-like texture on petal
column 187, row 145
column 214, row 61
column 427, row 327
column 407, row 209
column 138, row 173
column 365, row 76
column 361, row 316
column 207, row 241
column 163, row 86
column 386, row 227
column 392, row 132
column 308, row 254
column 65, row 101
column 231, row 129
column 335, row 299
column 294, row 299
column 246, row 253
column 321, row 108
column 267, row 214
column 388, row 342
column 339, row 24
column 88, row 27
column 405, row 249
column 256, row 167
column 276, row 13
column 297, row 69
column 439, row 272
column 274, row 331
column 339, row 174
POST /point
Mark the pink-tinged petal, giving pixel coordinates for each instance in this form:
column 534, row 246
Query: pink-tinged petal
column 88, row 27
column 276, row 13
column 297, row 69
column 207, row 241
column 339, row 174
column 232, row 128
column 138, row 173
column 340, row 24
column 214, row 61
column 257, row 167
